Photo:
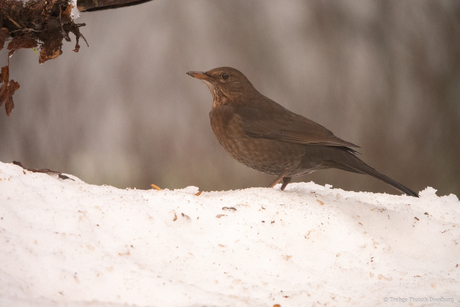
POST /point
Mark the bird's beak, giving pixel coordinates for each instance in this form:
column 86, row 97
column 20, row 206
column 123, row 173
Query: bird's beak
column 198, row 75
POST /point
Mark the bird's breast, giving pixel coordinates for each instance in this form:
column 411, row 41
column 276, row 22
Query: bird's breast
column 227, row 127
column 265, row 155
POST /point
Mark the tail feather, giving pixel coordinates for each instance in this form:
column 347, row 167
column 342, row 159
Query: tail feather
column 354, row 164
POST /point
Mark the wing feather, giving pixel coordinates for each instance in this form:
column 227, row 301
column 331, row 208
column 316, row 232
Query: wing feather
column 273, row 121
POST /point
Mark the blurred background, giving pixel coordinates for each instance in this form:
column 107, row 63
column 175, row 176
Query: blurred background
column 382, row 74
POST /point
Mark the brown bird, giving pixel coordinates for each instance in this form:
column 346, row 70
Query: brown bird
column 267, row 137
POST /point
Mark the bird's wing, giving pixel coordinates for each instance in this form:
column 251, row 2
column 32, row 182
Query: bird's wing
column 275, row 122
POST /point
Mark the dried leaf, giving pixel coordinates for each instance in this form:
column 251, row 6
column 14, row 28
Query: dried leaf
column 77, row 34
column 4, row 33
column 7, row 90
column 51, row 48
column 21, row 42
column 44, row 24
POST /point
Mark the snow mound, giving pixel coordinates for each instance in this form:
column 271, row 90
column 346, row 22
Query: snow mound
column 65, row 242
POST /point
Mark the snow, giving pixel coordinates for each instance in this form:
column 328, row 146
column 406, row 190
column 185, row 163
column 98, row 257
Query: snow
column 75, row 13
column 69, row 243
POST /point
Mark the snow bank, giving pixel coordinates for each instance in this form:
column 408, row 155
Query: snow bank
column 65, row 242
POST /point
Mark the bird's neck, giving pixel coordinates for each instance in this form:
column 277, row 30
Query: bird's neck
column 234, row 98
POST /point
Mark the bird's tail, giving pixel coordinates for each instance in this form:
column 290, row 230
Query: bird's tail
column 354, row 164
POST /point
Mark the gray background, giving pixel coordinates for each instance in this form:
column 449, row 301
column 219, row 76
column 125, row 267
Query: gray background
column 382, row 74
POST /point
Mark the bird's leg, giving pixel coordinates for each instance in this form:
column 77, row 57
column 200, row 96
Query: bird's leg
column 286, row 180
column 278, row 179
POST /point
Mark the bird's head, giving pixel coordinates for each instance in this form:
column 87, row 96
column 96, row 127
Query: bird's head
column 226, row 84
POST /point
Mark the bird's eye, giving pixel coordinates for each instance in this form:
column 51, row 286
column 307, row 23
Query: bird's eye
column 225, row 76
